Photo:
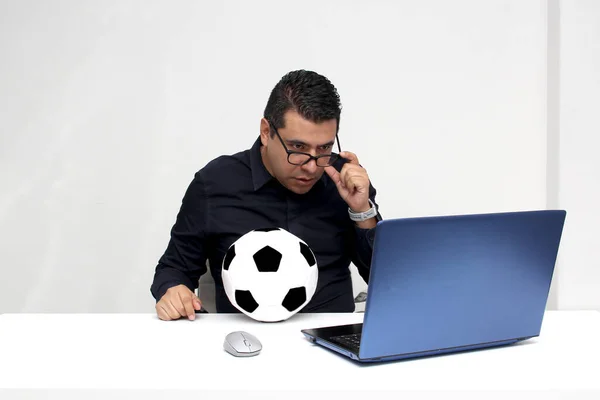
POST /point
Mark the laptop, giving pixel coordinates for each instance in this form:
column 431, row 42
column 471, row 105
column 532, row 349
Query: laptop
column 452, row 283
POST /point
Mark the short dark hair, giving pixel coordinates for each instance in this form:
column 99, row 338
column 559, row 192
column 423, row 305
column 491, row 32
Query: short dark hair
column 311, row 95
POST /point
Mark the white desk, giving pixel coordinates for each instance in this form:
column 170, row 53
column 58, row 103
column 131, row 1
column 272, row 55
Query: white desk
column 138, row 356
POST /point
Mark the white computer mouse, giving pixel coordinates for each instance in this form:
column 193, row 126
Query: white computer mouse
column 242, row 344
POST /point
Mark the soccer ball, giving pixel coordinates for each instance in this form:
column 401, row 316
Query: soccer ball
column 269, row 274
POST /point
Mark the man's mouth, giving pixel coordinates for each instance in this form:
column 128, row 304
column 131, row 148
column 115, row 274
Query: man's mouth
column 305, row 181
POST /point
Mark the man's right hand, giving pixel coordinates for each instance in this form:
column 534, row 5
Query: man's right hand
column 177, row 302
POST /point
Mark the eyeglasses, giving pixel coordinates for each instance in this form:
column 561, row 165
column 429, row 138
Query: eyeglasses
column 300, row 158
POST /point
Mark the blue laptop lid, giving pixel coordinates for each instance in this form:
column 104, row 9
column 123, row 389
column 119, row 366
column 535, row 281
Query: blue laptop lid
column 453, row 281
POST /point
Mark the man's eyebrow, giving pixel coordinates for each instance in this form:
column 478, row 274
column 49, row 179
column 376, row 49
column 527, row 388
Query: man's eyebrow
column 295, row 141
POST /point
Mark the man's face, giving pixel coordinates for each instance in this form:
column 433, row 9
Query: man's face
column 301, row 135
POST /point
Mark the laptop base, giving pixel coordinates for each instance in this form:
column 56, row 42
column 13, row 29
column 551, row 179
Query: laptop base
column 320, row 336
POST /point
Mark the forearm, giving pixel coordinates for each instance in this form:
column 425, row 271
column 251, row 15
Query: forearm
column 363, row 250
column 184, row 260
column 166, row 277
column 368, row 224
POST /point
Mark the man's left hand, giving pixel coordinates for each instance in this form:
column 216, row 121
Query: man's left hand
column 352, row 182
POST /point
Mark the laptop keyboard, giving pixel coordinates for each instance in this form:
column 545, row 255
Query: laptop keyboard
column 351, row 342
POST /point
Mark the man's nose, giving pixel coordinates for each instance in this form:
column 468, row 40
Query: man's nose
column 311, row 166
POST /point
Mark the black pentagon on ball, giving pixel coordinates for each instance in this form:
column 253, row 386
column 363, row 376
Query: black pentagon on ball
column 265, row 229
column 229, row 257
column 308, row 255
column 245, row 300
column 267, row 259
column 294, row 298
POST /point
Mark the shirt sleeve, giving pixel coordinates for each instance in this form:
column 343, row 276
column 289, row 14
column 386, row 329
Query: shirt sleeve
column 184, row 260
column 362, row 246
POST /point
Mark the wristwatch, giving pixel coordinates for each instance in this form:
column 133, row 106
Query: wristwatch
column 363, row 216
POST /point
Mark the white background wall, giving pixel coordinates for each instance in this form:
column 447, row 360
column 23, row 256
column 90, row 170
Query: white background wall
column 108, row 108
column 578, row 283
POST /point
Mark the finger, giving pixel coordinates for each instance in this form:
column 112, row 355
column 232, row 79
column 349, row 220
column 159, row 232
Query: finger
column 197, row 303
column 332, row 172
column 350, row 184
column 354, row 171
column 172, row 310
column 162, row 313
column 188, row 305
column 356, row 179
column 351, row 157
column 354, row 168
column 178, row 304
column 344, row 177
column 337, row 180
column 351, row 177
column 358, row 184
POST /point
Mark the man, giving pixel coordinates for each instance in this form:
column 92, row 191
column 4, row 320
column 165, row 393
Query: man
column 290, row 178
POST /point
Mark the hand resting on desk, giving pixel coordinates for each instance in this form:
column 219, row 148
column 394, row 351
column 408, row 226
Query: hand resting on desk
column 177, row 302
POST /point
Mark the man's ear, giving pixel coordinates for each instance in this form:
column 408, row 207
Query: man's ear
column 265, row 131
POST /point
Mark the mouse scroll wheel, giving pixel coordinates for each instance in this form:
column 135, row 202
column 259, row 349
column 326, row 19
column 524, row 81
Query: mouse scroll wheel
column 247, row 343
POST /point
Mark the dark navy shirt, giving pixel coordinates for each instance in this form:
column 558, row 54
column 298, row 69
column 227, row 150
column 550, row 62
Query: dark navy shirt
column 234, row 194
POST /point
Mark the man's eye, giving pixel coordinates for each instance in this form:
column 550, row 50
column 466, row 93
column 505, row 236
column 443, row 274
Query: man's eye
column 298, row 146
column 326, row 147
